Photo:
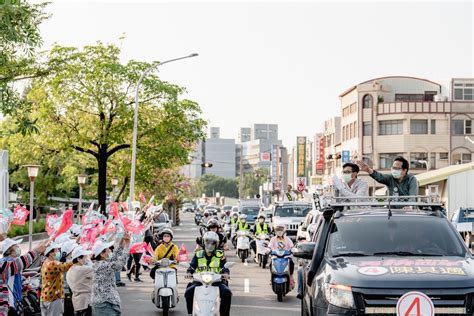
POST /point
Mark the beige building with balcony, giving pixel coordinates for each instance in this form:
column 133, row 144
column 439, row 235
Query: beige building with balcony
column 429, row 124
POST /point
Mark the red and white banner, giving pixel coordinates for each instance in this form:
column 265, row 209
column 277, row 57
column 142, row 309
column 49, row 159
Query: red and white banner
column 20, row 214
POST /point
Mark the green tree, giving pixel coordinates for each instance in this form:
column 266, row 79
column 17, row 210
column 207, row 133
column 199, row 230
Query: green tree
column 19, row 38
column 253, row 181
column 86, row 106
column 210, row 184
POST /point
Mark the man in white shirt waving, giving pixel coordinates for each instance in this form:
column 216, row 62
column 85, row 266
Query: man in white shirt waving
column 350, row 185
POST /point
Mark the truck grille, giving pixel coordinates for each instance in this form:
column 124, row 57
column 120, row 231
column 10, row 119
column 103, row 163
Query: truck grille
column 372, row 302
column 292, row 227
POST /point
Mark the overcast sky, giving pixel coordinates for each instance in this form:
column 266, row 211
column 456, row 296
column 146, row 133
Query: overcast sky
column 276, row 62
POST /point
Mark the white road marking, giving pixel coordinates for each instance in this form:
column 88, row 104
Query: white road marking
column 273, row 307
column 246, row 285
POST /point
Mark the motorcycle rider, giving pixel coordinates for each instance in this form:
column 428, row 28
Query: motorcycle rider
column 165, row 250
column 206, row 217
column 212, row 260
column 260, row 227
column 281, row 241
column 242, row 225
column 234, row 219
column 213, row 226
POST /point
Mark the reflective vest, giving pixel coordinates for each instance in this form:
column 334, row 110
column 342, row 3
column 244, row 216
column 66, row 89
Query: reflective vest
column 244, row 227
column 214, row 265
column 289, row 197
column 234, row 221
column 259, row 229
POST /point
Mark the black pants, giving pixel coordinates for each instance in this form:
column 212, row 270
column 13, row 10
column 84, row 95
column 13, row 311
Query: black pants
column 225, row 293
column 133, row 264
column 253, row 245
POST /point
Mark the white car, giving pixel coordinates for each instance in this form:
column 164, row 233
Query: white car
column 291, row 214
column 307, row 228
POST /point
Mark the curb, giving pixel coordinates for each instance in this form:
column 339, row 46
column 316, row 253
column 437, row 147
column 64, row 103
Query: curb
column 36, row 237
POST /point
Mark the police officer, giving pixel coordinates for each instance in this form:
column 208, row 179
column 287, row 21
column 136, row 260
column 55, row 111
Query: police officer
column 213, row 226
column 260, row 227
column 211, row 260
column 242, row 225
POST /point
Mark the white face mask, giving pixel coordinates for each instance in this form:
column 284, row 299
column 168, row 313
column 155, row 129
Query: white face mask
column 261, row 220
column 279, row 233
column 397, row 174
column 346, row 177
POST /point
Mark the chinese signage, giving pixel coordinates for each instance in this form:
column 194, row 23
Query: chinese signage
column 275, row 170
column 301, row 156
column 265, row 157
column 320, row 158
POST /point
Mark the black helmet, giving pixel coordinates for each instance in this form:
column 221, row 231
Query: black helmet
column 213, row 223
column 166, row 231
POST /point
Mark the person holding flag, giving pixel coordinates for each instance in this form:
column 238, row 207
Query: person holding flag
column 105, row 298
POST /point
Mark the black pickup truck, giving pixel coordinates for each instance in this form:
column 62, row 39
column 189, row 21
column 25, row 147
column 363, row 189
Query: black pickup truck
column 361, row 261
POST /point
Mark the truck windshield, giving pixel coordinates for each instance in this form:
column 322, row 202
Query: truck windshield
column 292, row 211
column 400, row 235
column 250, row 211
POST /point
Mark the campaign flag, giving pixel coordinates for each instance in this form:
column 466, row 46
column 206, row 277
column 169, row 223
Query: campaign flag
column 114, row 210
column 146, row 260
column 19, row 215
column 183, row 254
column 138, row 248
column 149, row 249
column 134, row 226
column 66, row 223
column 51, row 224
column 88, row 237
column 124, row 206
column 109, row 227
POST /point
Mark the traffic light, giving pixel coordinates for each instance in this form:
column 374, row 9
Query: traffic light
column 257, row 196
column 206, row 165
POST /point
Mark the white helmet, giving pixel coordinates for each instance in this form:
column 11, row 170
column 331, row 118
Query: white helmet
column 243, row 218
column 210, row 241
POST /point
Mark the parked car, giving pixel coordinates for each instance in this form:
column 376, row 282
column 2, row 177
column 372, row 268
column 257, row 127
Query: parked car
column 162, row 222
column 188, row 207
column 363, row 259
column 463, row 220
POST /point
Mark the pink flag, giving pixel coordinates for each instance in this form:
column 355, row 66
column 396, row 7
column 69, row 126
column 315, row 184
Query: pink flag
column 88, row 237
column 19, row 215
column 183, row 254
column 109, row 227
column 134, row 226
column 125, row 220
column 114, row 210
column 149, row 249
column 66, row 223
column 50, row 221
column 138, row 248
column 124, row 206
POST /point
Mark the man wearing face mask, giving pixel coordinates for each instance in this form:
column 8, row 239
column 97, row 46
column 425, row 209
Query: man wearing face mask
column 399, row 182
column 260, row 227
column 52, row 281
column 351, row 185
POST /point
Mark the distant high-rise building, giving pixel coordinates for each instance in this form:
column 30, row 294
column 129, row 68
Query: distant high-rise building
column 265, row 132
column 245, row 135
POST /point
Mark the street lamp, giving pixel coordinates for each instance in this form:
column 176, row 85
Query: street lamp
column 32, row 174
column 114, row 185
column 81, row 180
column 135, row 122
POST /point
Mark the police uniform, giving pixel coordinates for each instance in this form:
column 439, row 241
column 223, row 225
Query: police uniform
column 215, row 263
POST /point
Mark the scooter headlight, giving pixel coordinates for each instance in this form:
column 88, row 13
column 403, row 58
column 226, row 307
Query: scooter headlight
column 206, row 278
column 339, row 295
column 165, row 262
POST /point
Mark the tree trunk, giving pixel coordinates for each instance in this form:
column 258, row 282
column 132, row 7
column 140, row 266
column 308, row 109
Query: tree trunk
column 102, row 185
column 125, row 182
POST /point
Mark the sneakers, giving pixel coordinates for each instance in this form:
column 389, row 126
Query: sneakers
column 120, row 284
column 138, row 280
column 129, row 276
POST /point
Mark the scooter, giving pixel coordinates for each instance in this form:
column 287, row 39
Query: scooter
column 280, row 270
column 263, row 252
column 197, row 218
column 233, row 229
column 207, row 301
column 227, row 229
column 243, row 244
column 165, row 295
column 31, row 292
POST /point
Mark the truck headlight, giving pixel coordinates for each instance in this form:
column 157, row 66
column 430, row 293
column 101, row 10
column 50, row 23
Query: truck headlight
column 339, row 295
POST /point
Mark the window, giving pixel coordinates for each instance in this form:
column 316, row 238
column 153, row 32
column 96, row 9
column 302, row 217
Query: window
column 429, row 95
column 443, row 156
column 468, row 127
column 343, row 133
column 461, row 158
column 353, row 107
column 351, row 130
column 417, row 160
column 433, row 161
column 463, row 91
column 419, row 126
column 433, row 127
column 367, row 129
column 461, row 127
column 367, row 101
column 345, row 111
column 405, row 97
column 386, row 160
column 393, row 127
